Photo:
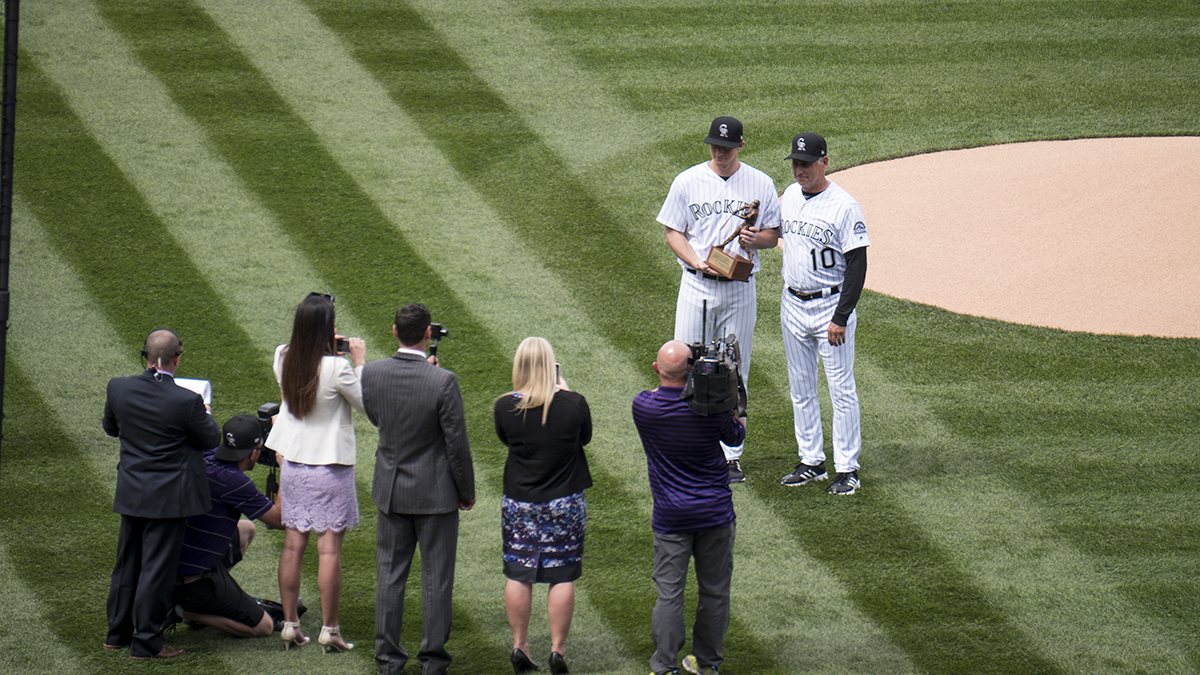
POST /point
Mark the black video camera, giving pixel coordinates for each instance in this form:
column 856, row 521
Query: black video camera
column 436, row 333
column 714, row 383
column 268, row 457
column 266, row 413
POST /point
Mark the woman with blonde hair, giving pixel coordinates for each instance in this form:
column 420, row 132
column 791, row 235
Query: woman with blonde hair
column 314, row 437
column 545, row 426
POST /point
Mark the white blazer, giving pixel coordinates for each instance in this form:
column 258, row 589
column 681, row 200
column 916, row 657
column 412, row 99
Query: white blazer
column 326, row 434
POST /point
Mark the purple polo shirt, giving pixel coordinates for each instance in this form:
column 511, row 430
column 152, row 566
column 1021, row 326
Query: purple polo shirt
column 689, row 477
column 208, row 534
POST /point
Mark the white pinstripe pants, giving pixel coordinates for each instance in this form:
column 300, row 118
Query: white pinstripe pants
column 805, row 338
column 732, row 308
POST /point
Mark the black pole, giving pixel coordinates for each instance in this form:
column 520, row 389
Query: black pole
column 8, row 128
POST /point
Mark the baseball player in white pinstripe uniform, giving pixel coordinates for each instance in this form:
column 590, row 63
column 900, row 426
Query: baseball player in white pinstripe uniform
column 697, row 214
column 824, row 266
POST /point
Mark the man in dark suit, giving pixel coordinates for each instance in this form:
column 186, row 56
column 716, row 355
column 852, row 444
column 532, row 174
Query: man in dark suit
column 164, row 430
column 423, row 476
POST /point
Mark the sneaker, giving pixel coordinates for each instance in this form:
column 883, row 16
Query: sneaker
column 673, row 671
column 845, row 484
column 691, row 665
column 804, row 474
column 736, row 475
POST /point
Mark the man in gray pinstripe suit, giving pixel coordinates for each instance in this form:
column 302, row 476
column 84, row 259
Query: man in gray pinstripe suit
column 423, row 476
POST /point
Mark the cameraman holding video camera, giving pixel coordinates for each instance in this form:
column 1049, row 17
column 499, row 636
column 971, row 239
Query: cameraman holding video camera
column 693, row 509
column 204, row 590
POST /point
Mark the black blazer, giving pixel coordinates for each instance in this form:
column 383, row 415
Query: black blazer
column 545, row 462
column 164, row 431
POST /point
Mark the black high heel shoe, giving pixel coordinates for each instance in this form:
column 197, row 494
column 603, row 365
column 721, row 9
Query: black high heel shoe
column 521, row 662
column 558, row 664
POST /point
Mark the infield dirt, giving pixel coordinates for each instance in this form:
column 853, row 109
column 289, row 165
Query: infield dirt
column 1096, row 235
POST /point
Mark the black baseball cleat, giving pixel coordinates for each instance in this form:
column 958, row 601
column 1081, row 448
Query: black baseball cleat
column 736, row 475
column 804, row 474
column 845, row 484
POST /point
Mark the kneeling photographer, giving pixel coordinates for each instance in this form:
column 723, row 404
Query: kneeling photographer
column 205, row 592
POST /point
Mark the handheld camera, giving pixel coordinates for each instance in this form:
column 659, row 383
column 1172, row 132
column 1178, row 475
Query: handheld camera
column 268, row 457
column 436, row 333
column 266, row 412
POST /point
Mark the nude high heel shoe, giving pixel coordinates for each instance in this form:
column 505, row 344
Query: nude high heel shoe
column 292, row 635
column 329, row 643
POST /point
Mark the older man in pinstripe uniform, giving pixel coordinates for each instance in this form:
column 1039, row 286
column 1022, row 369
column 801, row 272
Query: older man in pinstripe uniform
column 824, row 269
column 423, row 477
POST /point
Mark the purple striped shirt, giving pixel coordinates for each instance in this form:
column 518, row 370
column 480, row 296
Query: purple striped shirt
column 208, row 534
column 689, row 478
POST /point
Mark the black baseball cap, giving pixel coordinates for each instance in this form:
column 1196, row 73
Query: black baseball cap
column 807, row 147
column 725, row 132
column 240, row 436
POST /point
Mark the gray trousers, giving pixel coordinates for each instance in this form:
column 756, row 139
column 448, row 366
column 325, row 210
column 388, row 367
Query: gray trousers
column 397, row 536
column 713, row 551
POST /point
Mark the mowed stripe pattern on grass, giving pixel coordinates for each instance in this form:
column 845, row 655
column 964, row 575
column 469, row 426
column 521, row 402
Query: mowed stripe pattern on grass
column 194, row 201
column 576, row 346
column 623, row 388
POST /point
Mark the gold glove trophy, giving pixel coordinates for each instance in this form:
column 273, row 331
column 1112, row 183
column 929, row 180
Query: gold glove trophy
column 734, row 266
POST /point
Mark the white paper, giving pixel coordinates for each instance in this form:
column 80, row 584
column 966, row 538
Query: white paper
column 202, row 387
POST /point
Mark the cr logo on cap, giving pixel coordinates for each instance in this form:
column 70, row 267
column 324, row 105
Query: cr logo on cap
column 724, row 131
column 799, row 144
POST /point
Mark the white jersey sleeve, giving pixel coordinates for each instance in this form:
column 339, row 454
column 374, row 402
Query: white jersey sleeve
column 816, row 235
column 700, row 204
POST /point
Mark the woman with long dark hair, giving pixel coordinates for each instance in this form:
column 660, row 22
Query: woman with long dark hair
column 545, row 426
column 314, row 437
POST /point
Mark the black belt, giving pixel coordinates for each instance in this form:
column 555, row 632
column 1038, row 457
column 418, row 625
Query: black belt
column 811, row 296
column 706, row 275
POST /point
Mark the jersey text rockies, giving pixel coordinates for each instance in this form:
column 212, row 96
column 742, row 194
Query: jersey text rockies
column 720, row 206
column 813, row 231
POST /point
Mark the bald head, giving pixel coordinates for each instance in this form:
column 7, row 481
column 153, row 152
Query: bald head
column 162, row 350
column 672, row 363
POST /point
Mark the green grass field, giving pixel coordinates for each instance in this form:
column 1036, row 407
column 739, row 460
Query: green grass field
column 1029, row 501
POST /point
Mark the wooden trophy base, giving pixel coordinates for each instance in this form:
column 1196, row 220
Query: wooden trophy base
column 729, row 266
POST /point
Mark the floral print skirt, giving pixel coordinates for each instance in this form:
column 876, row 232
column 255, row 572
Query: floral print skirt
column 543, row 541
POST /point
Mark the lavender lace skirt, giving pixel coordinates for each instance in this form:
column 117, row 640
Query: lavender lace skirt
column 318, row 497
